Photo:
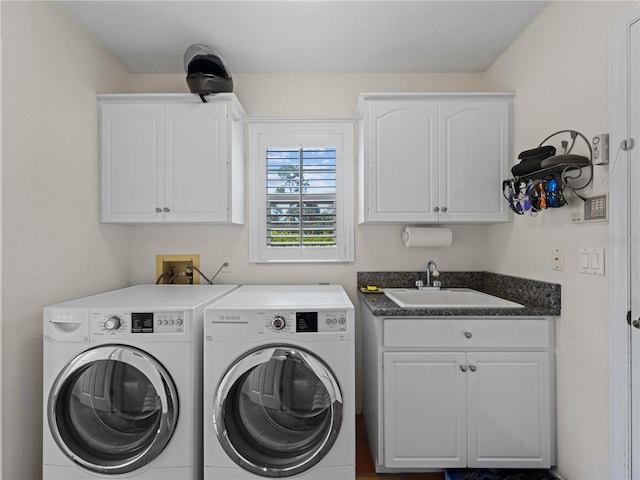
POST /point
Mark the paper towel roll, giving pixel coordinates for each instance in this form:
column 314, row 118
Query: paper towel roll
column 427, row 237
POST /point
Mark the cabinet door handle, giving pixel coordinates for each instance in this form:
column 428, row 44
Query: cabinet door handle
column 436, row 209
column 166, row 209
column 473, row 368
column 444, row 209
column 468, row 334
column 463, row 368
column 158, row 210
column 636, row 323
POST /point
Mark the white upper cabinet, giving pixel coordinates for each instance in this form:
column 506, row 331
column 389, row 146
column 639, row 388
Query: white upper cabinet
column 171, row 159
column 433, row 158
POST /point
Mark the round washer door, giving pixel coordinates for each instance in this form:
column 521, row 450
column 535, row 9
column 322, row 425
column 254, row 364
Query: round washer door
column 278, row 411
column 113, row 409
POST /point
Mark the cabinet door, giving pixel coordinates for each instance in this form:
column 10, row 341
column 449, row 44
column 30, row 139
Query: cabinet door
column 424, row 410
column 196, row 162
column 400, row 160
column 131, row 163
column 509, row 410
column 474, row 146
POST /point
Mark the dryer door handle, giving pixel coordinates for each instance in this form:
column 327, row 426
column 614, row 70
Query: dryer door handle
column 269, row 366
column 280, row 353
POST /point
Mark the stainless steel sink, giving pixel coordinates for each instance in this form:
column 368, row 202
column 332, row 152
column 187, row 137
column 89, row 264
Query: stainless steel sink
column 447, row 298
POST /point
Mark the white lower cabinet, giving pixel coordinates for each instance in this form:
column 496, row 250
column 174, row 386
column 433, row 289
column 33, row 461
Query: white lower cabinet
column 461, row 399
column 451, row 409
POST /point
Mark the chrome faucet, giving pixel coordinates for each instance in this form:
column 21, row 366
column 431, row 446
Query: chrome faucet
column 432, row 270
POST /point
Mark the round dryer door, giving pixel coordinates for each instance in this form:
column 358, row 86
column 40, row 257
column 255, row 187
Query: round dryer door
column 113, row 409
column 278, row 411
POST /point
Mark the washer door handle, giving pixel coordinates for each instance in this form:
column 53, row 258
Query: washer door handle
column 159, row 379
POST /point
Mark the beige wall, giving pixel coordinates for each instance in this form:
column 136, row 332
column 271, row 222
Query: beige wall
column 53, row 247
column 318, row 96
column 328, row 96
column 559, row 68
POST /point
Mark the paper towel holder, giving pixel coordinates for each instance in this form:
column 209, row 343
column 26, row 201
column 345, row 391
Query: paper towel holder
column 427, row 237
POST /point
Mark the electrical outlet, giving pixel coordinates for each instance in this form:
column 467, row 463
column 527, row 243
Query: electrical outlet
column 557, row 259
column 227, row 260
column 177, row 269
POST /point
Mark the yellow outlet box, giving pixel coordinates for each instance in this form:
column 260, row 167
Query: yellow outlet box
column 175, row 269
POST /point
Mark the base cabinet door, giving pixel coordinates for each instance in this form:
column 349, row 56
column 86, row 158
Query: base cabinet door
column 425, row 420
column 509, row 409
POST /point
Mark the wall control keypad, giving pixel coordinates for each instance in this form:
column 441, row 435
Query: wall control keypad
column 595, row 208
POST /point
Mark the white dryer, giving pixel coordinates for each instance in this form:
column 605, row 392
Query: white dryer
column 279, row 384
column 122, row 384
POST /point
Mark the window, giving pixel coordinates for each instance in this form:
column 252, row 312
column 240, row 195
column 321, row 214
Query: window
column 301, row 197
column 301, row 191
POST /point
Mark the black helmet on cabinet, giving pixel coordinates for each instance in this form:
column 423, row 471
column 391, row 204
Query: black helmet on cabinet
column 206, row 72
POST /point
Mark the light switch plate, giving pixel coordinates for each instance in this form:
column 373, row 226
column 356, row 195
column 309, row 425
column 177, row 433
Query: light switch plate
column 591, row 260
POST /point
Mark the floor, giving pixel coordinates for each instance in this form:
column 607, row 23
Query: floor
column 364, row 463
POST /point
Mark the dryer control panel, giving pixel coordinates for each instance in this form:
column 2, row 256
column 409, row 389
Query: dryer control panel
column 306, row 321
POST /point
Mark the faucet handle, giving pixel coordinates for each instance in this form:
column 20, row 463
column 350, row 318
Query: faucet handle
column 437, row 283
column 419, row 283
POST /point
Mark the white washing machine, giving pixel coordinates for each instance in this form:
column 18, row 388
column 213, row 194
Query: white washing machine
column 279, row 384
column 122, row 383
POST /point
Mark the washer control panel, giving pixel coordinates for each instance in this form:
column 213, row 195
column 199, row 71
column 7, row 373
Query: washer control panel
column 306, row 322
column 118, row 323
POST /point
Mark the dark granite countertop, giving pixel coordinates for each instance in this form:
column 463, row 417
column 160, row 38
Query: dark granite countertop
column 539, row 298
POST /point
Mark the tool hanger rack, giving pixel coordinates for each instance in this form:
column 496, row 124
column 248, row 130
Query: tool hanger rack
column 544, row 187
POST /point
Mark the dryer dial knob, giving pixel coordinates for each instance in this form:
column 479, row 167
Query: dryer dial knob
column 278, row 322
column 112, row 323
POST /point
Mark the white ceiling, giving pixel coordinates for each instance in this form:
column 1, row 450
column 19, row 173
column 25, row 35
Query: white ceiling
column 296, row 36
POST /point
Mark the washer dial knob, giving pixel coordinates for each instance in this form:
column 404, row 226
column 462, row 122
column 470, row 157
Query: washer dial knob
column 278, row 322
column 112, row 323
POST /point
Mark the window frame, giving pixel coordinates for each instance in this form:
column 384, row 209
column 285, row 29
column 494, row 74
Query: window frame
column 266, row 134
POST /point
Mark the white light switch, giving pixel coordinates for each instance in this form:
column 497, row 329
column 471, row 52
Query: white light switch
column 591, row 260
column 584, row 259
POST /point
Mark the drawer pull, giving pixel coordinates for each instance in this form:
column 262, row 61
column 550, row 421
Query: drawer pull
column 473, row 368
column 463, row 368
column 468, row 334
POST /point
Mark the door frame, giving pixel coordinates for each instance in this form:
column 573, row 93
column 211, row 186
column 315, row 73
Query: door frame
column 619, row 243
